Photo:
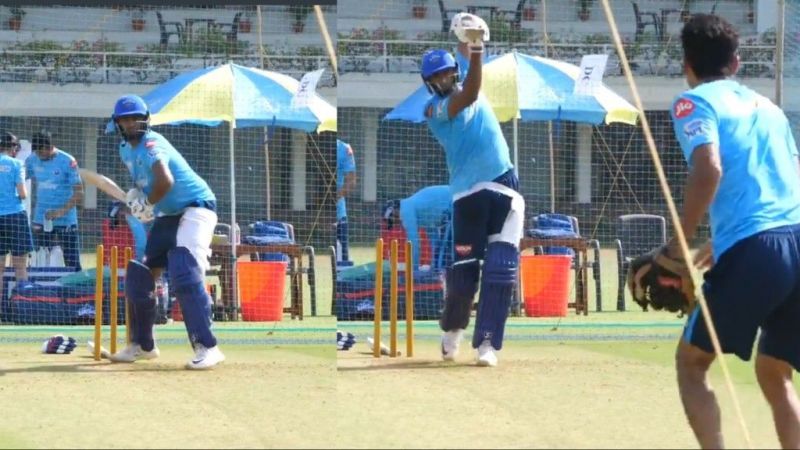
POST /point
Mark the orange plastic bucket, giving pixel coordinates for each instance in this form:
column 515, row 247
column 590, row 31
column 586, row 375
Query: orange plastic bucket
column 261, row 285
column 545, row 284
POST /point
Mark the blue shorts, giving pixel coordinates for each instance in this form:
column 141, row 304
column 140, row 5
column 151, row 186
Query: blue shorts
column 15, row 235
column 754, row 284
column 162, row 238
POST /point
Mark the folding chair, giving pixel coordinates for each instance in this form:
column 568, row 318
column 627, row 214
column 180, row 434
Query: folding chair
column 636, row 234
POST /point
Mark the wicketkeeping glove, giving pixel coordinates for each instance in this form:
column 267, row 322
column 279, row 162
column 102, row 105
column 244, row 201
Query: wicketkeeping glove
column 657, row 280
column 59, row 344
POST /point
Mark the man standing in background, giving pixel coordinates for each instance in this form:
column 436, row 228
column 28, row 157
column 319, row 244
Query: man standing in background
column 345, row 184
column 58, row 190
column 15, row 233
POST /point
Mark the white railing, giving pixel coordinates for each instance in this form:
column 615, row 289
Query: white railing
column 64, row 66
column 399, row 56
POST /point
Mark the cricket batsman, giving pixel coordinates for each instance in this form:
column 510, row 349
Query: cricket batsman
column 183, row 210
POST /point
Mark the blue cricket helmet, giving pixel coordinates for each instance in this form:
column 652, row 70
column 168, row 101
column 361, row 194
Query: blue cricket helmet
column 130, row 105
column 435, row 61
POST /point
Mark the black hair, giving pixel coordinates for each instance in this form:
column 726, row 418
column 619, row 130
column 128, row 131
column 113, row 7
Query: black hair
column 8, row 140
column 41, row 139
column 709, row 45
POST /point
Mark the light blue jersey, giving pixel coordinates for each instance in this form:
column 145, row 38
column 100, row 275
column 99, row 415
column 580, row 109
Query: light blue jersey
column 473, row 142
column 55, row 179
column 345, row 163
column 188, row 190
column 760, row 185
column 425, row 209
column 12, row 173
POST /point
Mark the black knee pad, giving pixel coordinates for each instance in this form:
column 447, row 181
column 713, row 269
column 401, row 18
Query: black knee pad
column 462, row 279
column 462, row 284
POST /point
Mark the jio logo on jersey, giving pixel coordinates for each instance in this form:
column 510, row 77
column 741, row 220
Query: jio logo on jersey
column 683, row 108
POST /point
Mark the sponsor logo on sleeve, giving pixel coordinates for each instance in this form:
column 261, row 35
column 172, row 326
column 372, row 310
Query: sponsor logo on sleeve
column 694, row 128
column 683, row 108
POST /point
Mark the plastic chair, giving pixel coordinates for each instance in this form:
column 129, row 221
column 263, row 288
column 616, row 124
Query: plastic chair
column 162, row 27
column 641, row 23
column 636, row 234
column 230, row 30
column 561, row 225
column 447, row 15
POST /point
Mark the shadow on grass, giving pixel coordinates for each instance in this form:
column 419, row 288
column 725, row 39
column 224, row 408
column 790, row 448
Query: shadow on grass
column 90, row 366
column 404, row 363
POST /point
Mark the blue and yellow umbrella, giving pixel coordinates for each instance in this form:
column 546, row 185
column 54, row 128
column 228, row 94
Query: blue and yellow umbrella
column 532, row 88
column 242, row 96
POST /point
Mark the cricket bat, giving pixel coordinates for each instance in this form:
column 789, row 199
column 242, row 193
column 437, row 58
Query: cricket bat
column 103, row 183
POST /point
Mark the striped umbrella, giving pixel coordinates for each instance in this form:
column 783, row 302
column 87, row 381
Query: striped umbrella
column 242, row 96
column 533, row 88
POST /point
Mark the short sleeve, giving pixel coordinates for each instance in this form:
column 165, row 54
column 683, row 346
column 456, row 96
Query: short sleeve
column 695, row 124
column 348, row 161
column 29, row 166
column 436, row 109
column 790, row 142
column 19, row 177
column 155, row 151
column 73, row 176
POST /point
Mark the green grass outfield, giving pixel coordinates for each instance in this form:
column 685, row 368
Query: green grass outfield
column 596, row 382
column 605, row 380
column 270, row 392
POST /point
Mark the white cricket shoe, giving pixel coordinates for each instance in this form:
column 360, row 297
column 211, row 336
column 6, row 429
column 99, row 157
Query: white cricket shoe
column 450, row 342
column 486, row 354
column 205, row 358
column 133, row 352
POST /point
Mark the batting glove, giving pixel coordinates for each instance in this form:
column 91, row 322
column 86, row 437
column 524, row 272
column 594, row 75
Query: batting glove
column 471, row 30
column 137, row 203
column 344, row 341
column 59, row 345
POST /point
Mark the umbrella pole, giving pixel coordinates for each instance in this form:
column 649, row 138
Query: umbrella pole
column 234, row 237
column 552, row 167
column 516, row 146
column 266, row 163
